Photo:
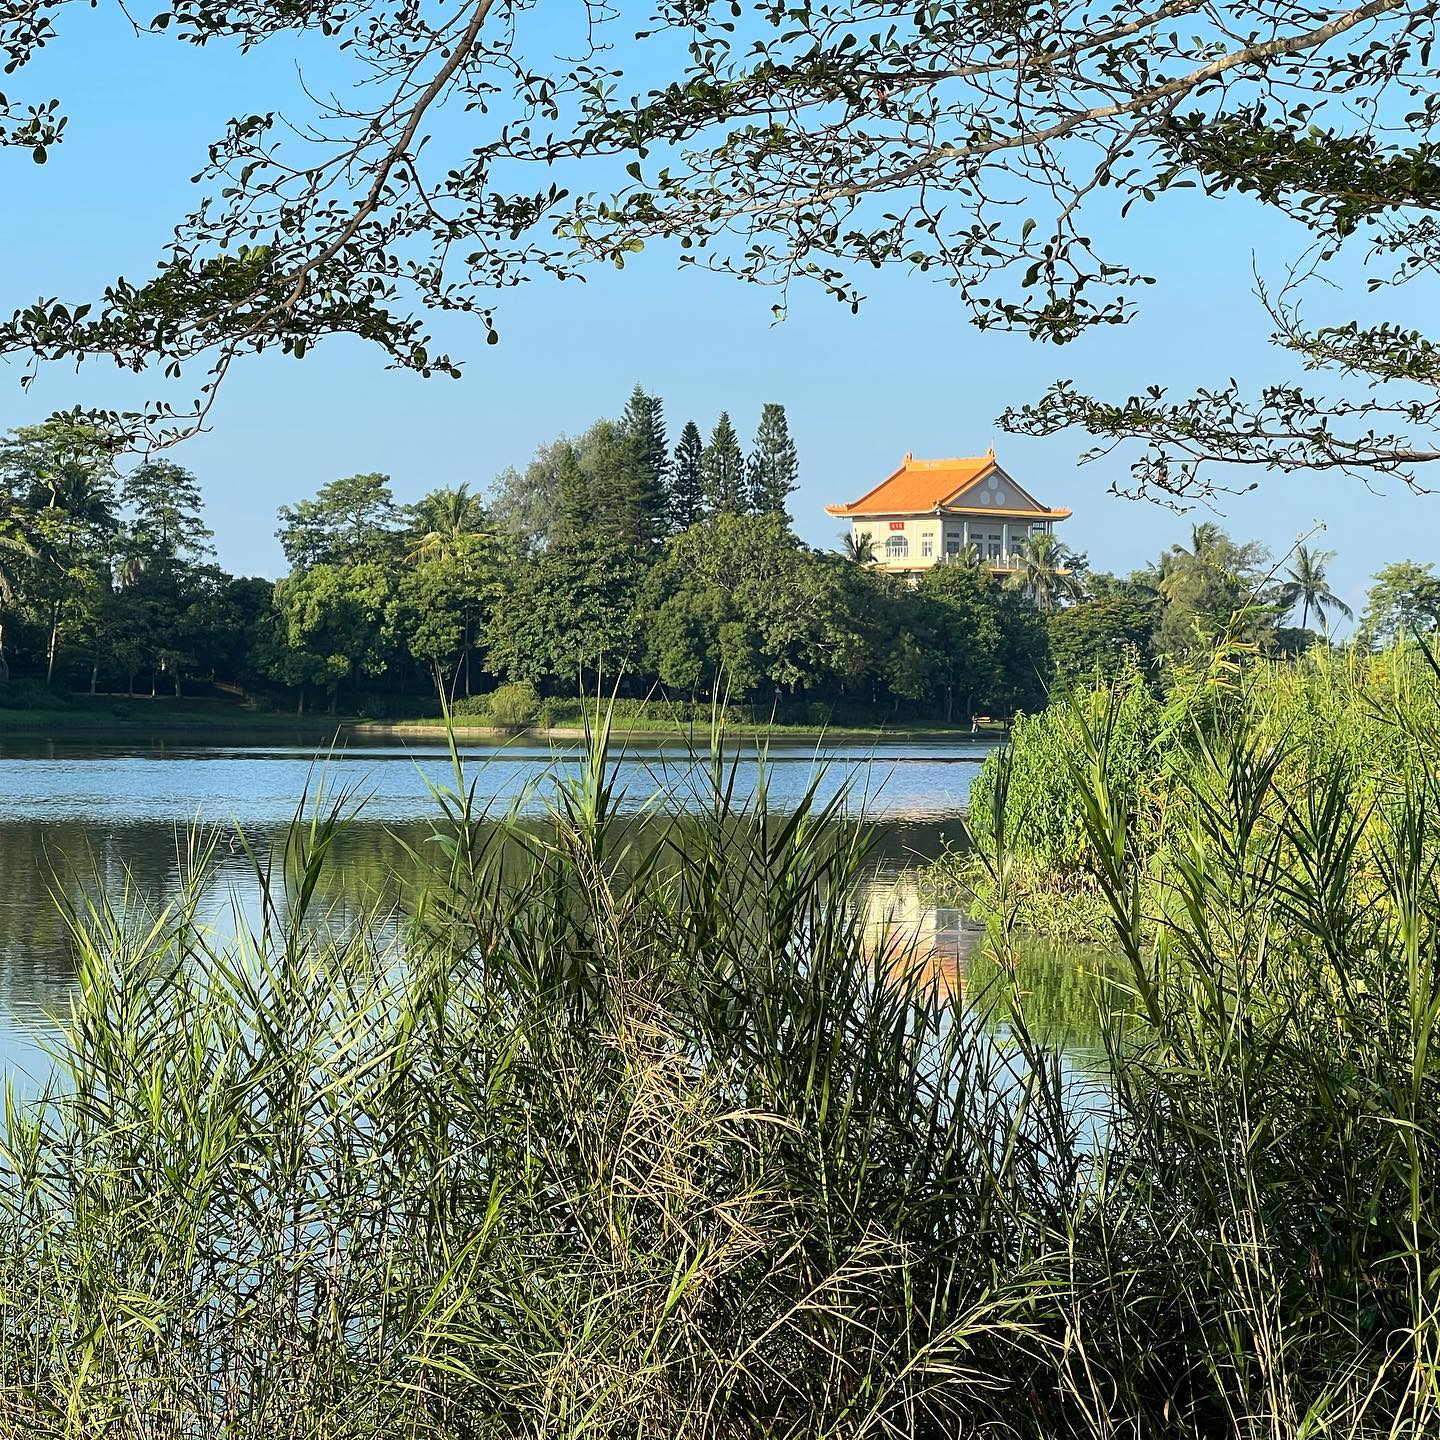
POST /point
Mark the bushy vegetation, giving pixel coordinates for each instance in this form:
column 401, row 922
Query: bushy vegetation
column 610, row 559
column 1348, row 712
column 615, row 1132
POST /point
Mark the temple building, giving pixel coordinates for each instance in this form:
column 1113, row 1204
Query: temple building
column 931, row 510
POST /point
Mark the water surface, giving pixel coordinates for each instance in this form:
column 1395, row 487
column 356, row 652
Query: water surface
column 86, row 812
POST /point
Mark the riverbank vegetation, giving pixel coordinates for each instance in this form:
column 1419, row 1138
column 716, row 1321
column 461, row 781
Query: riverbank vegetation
column 612, row 556
column 1354, row 712
column 616, row 1133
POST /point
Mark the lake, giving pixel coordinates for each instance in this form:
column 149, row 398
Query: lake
column 115, row 812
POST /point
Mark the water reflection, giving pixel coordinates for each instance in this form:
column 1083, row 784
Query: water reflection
column 1064, row 989
column 88, row 815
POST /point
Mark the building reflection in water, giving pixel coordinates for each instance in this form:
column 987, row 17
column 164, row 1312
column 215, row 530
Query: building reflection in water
column 939, row 938
column 1069, row 992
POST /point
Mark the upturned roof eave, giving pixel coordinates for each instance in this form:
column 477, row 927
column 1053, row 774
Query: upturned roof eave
column 1061, row 513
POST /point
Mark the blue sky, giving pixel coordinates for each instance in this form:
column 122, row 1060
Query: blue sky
column 907, row 373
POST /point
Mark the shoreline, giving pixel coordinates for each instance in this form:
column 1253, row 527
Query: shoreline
column 141, row 714
column 414, row 728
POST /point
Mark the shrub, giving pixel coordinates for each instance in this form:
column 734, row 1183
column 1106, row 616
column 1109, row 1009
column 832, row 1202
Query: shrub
column 30, row 695
column 514, row 705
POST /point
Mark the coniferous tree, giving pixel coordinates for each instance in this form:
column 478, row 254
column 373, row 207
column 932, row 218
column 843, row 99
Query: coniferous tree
column 572, row 498
column 627, row 504
column 686, row 497
column 722, row 470
column 644, row 422
column 774, row 465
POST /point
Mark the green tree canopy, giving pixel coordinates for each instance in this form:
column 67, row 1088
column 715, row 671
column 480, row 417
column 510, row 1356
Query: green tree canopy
column 687, row 486
column 568, row 615
column 1108, row 633
column 738, row 603
column 333, row 624
column 353, row 521
column 1213, row 584
column 774, row 465
column 1404, row 600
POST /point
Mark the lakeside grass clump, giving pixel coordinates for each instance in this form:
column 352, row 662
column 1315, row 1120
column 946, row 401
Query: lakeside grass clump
column 1347, row 713
column 622, row 1131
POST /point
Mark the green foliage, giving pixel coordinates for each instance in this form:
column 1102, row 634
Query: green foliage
column 1025, row 800
column 722, row 471
column 644, row 423
column 687, row 485
column 1105, row 634
column 773, row 469
column 29, row 695
column 738, row 603
column 569, row 612
column 1047, row 571
column 1403, row 601
column 1212, row 587
column 354, row 521
column 332, row 623
column 1306, row 586
column 1348, row 715
column 514, row 705
column 618, row 1134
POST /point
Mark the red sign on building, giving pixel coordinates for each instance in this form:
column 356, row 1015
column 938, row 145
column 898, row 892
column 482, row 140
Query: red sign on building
column 897, row 524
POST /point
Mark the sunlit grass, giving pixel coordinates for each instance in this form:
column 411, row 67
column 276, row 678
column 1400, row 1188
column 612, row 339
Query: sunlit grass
column 630, row 1130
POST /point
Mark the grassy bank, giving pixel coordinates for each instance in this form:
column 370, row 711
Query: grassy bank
column 517, row 708
column 1351, row 714
column 559, row 719
column 623, row 1133
column 74, row 714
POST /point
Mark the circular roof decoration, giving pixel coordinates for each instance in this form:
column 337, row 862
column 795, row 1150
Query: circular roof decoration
column 999, row 497
column 984, row 498
column 992, row 482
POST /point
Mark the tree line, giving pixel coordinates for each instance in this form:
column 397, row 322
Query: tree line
column 612, row 557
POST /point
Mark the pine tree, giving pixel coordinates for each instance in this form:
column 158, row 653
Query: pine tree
column 573, row 501
column 774, row 466
column 722, row 470
column 686, row 494
column 644, row 422
column 627, row 504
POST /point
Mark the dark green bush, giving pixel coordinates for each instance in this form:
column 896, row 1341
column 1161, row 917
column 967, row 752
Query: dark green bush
column 30, row 695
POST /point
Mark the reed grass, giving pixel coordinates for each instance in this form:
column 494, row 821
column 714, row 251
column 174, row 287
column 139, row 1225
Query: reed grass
column 630, row 1131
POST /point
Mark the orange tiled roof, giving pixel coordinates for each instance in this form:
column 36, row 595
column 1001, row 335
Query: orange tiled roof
column 919, row 487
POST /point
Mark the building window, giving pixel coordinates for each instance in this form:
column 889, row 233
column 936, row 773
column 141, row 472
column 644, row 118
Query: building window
column 992, row 546
column 1038, row 528
column 927, row 548
column 897, row 547
column 952, row 544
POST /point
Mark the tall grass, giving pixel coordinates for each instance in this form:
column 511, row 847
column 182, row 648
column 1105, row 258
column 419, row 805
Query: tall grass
column 629, row 1131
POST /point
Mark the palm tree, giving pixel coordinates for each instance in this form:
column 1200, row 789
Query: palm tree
column 448, row 521
column 1307, row 587
column 81, row 500
column 1204, row 541
column 860, row 549
column 1047, row 572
